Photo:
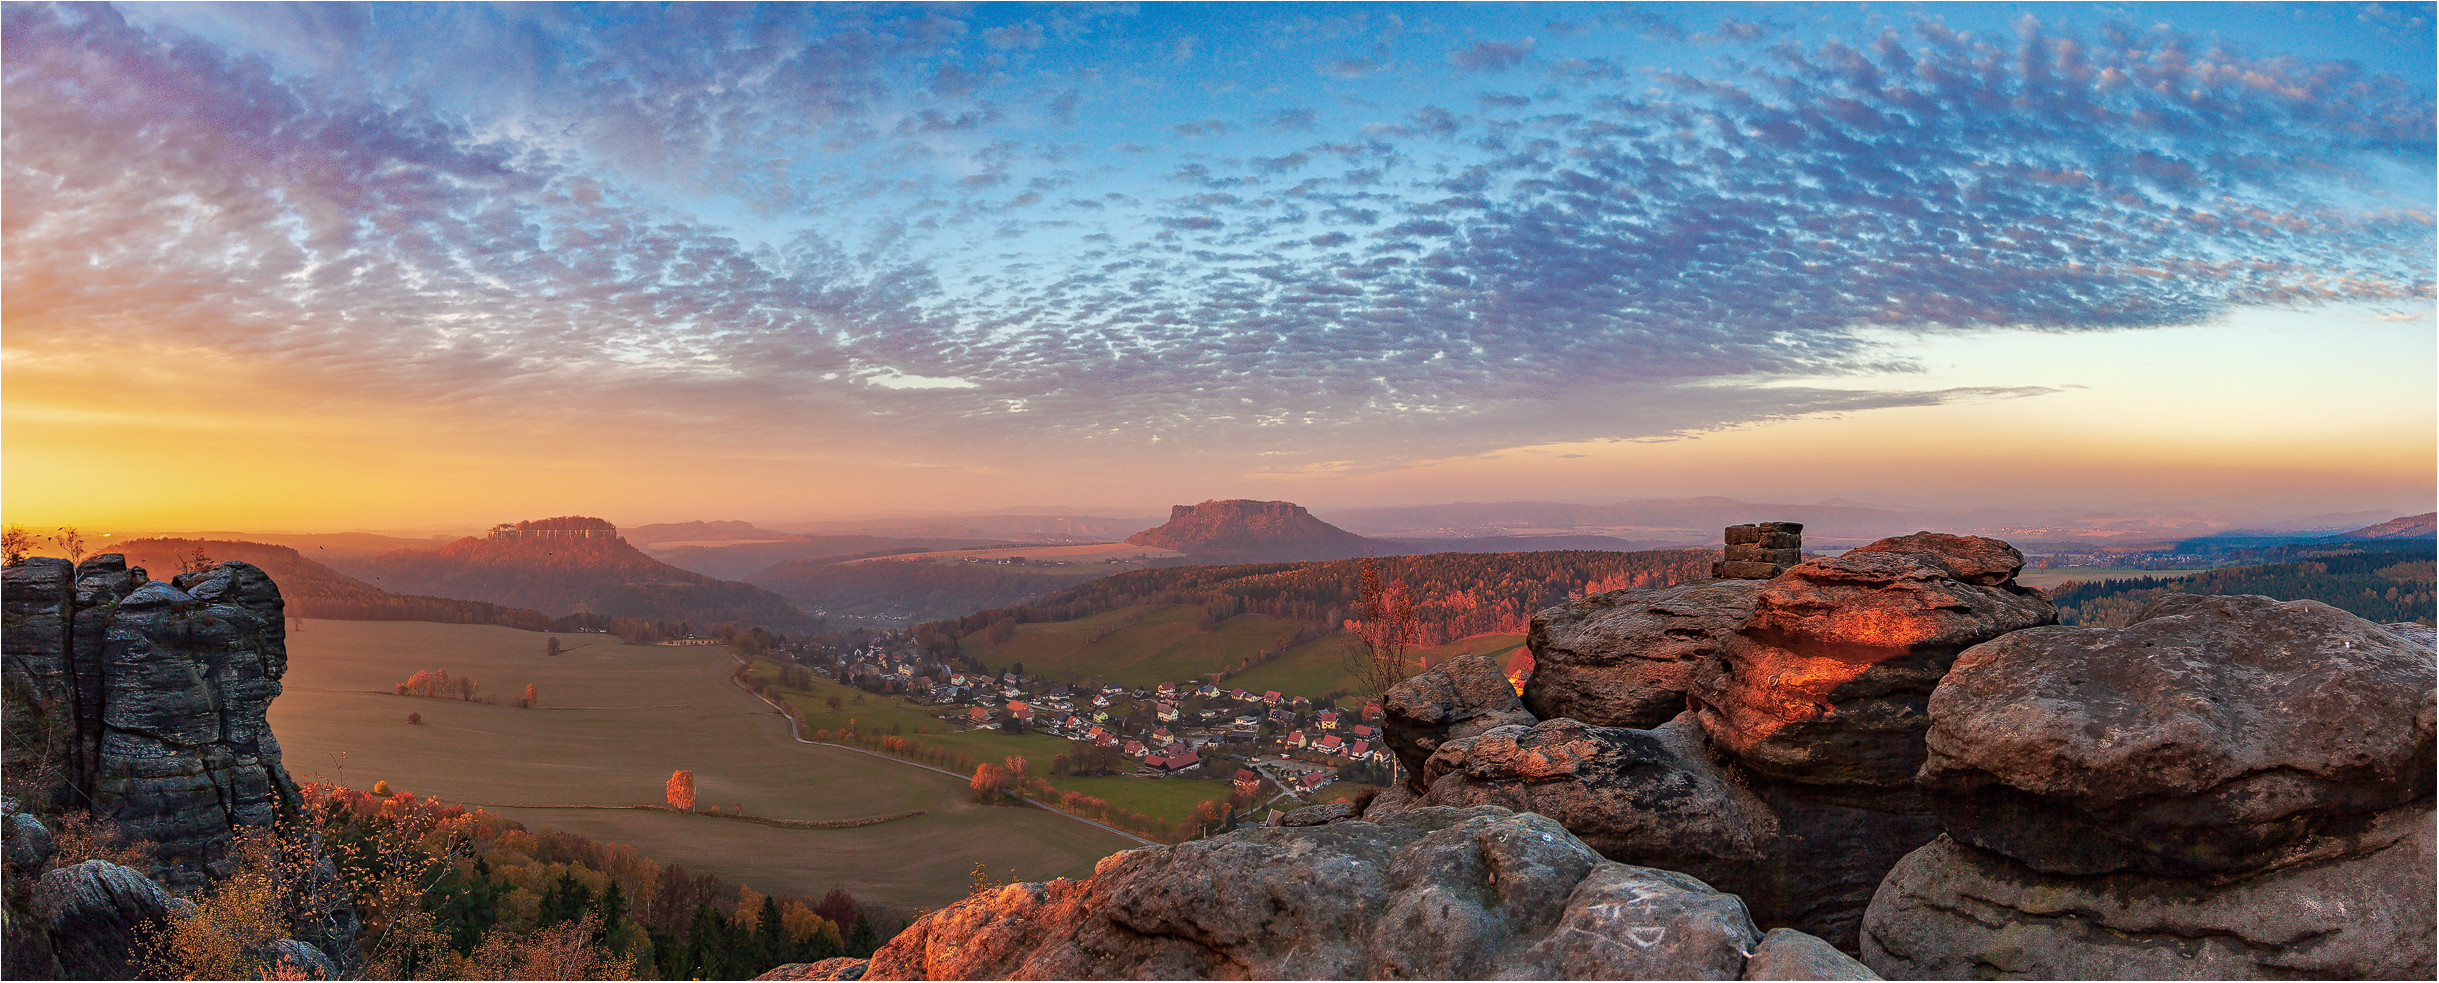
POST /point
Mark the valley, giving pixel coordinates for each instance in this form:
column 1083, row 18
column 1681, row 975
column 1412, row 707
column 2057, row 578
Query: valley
column 613, row 722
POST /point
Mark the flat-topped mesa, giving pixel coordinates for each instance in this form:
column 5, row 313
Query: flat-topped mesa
column 1760, row 550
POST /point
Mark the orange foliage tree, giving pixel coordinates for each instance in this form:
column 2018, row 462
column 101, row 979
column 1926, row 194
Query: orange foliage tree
column 681, row 791
column 990, row 782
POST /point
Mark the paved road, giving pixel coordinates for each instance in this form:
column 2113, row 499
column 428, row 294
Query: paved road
column 1029, row 800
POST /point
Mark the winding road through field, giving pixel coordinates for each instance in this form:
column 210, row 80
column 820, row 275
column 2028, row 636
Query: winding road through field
column 1028, row 800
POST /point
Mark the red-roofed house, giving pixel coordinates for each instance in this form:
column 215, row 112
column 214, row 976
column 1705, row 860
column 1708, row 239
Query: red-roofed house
column 1330, row 744
column 1136, row 749
column 1326, row 720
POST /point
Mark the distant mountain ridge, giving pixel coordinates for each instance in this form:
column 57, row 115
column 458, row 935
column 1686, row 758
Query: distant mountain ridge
column 2422, row 526
column 1246, row 531
column 605, row 576
column 313, row 590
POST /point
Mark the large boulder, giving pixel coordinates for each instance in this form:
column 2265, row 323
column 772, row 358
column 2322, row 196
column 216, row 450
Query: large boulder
column 96, row 914
column 1846, row 651
column 1458, row 698
column 1628, row 658
column 1477, row 893
column 2227, row 788
column 2212, row 736
column 1648, row 797
column 1953, row 911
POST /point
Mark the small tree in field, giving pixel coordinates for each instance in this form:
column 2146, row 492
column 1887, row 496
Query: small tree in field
column 530, row 699
column 681, row 791
column 551, row 647
column 415, row 718
column 990, row 783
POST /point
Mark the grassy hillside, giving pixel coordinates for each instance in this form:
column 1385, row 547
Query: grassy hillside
column 615, row 720
column 606, row 577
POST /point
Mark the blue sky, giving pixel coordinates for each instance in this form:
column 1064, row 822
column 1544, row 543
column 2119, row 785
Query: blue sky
column 1180, row 246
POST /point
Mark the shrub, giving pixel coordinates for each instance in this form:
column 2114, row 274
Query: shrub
column 415, row 718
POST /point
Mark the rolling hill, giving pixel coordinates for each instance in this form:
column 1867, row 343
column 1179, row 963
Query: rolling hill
column 2422, row 526
column 567, row 571
column 313, row 590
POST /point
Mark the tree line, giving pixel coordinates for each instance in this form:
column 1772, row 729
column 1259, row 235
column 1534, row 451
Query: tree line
column 2386, row 586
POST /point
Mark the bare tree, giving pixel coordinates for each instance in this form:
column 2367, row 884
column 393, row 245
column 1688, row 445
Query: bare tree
column 70, row 542
column 1383, row 634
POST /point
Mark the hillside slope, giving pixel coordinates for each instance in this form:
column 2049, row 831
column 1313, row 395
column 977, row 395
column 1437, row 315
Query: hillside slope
column 560, row 576
column 1247, row 531
column 313, row 590
column 2403, row 527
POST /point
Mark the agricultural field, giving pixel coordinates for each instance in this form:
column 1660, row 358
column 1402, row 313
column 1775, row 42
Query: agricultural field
column 614, row 720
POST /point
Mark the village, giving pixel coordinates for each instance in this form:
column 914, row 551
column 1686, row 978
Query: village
column 1171, row 729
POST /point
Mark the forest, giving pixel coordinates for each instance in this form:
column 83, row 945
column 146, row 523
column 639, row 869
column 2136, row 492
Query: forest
column 1455, row 595
column 2385, row 585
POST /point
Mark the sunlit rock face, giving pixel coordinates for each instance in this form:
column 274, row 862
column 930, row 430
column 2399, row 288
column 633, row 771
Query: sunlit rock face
column 1790, row 782
column 1844, row 651
column 2227, row 788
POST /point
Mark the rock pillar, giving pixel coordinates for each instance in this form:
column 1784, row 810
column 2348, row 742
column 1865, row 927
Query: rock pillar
column 1761, row 550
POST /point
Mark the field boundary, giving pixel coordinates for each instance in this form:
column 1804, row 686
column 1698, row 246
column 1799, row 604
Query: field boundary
column 758, row 820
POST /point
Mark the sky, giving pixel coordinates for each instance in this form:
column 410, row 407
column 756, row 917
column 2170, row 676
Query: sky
column 395, row 265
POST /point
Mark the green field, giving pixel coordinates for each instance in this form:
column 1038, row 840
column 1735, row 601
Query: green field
column 614, row 721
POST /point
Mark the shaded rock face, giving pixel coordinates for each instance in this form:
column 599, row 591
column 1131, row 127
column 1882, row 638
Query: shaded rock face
column 162, row 688
column 2228, row 787
column 1456, row 699
column 1628, row 658
column 1475, row 893
column 94, row 913
column 1791, row 782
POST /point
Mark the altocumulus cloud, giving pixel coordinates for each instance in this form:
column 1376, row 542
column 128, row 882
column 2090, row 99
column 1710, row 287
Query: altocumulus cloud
column 763, row 222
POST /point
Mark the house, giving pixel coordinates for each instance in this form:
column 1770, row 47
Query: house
column 1300, row 704
column 1330, row 744
column 1100, row 701
column 1271, row 697
column 1161, row 736
column 1295, row 738
column 978, row 716
column 1283, row 718
column 1365, row 732
column 1168, row 691
column 1240, row 696
column 1106, row 739
column 1072, row 722
column 1371, row 712
column 1326, row 720
column 1167, row 713
column 1135, row 749
column 1244, row 775
column 1176, row 763
column 1061, row 691
column 1360, row 749
column 1207, row 691
column 1244, row 725
column 1020, row 711
column 1100, row 716
column 1313, row 781
column 1017, row 705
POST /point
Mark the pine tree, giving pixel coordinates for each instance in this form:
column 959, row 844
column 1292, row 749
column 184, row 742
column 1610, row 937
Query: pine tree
column 770, row 937
column 862, row 939
column 612, row 907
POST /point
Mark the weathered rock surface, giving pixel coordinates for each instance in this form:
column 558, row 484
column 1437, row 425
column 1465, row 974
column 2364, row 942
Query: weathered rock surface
column 1786, row 954
column 28, row 841
column 300, row 960
column 1846, row 651
column 93, row 913
column 2227, row 788
column 1647, row 797
column 1628, row 658
column 1318, row 815
column 1477, row 893
column 1455, row 699
column 1952, row 911
column 2212, row 735
column 834, row 968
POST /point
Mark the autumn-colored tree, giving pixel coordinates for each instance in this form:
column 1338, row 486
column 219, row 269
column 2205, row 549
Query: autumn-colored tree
column 681, row 791
column 15, row 545
column 990, row 783
column 530, row 699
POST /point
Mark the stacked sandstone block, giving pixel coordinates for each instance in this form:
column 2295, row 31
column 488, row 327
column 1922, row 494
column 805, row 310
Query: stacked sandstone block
column 1761, row 550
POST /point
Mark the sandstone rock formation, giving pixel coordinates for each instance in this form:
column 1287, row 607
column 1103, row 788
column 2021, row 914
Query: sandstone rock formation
column 1791, row 782
column 149, row 700
column 93, row 914
column 1761, row 550
column 162, row 689
column 1479, row 893
column 1247, row 531
column 2228, row 787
